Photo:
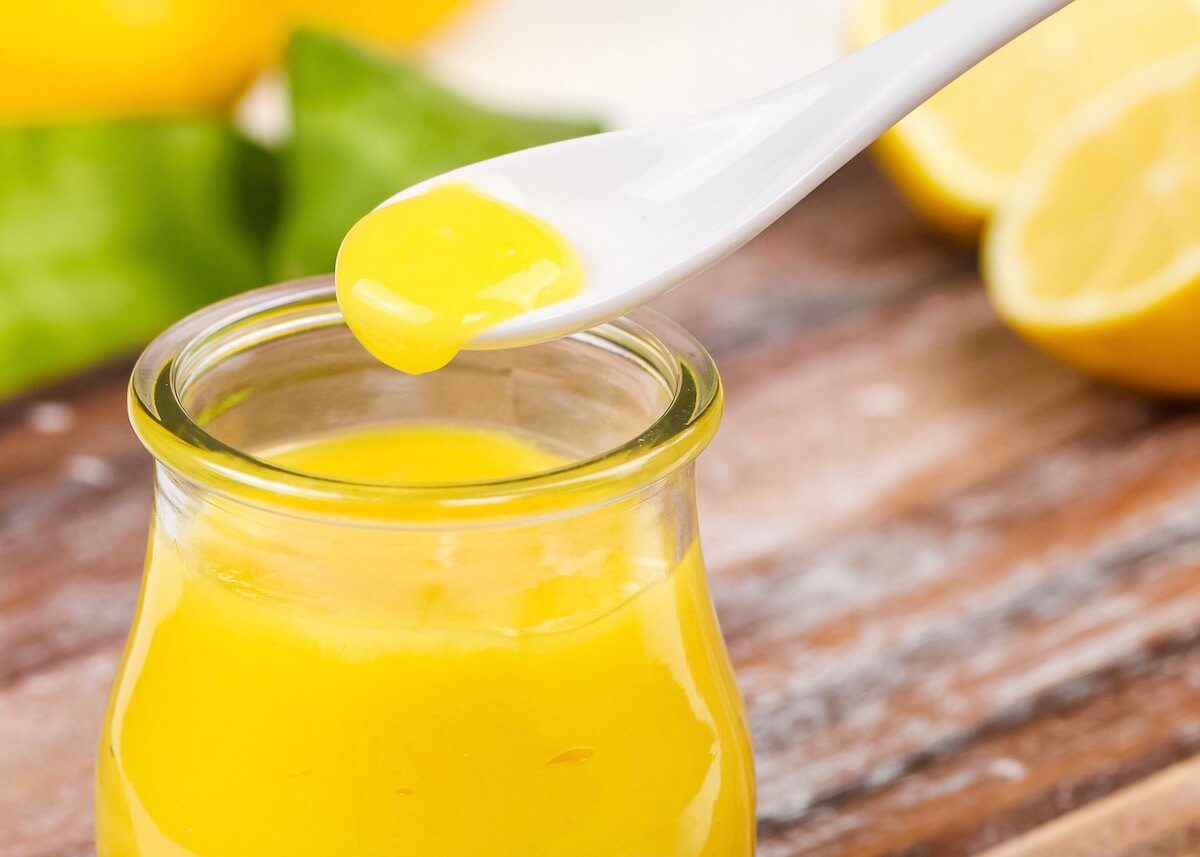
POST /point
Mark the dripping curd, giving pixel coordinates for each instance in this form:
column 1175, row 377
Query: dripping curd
column 418, row 279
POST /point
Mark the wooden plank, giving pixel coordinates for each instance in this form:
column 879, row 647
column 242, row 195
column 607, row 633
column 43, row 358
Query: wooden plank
column 950, row 571
column 1077, row 743
column 74, row 510
column 1160, row 816
column 49, row 726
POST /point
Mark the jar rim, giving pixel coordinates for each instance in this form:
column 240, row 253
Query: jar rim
column 179, row 440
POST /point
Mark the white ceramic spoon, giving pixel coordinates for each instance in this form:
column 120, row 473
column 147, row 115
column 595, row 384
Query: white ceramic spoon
column 646, row 208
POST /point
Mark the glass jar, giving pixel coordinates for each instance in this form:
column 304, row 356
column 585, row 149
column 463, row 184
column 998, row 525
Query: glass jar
column 320, row 666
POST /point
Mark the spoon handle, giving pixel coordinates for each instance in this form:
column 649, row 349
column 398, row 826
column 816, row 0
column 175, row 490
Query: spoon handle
column 825, row 119
column 903, row 69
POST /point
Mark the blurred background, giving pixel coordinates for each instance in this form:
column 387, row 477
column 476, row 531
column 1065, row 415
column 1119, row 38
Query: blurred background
column 953, row 516
column 158, row 154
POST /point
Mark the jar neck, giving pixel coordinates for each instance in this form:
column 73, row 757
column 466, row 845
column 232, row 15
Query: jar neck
column 624, row 405
column 517, row 575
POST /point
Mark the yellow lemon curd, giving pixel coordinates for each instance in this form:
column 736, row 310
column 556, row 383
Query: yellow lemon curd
column 305, row 686
column 418, row 279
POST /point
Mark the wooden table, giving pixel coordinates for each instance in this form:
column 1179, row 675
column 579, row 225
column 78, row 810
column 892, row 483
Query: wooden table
column 960, row 582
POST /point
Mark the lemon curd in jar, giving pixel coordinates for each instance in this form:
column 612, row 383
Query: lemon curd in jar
column 462, row 613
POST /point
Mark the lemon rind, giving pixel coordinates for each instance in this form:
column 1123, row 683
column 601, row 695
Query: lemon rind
column 958, row 177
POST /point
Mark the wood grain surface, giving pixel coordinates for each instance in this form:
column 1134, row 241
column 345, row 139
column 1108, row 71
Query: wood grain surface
column 960, row 582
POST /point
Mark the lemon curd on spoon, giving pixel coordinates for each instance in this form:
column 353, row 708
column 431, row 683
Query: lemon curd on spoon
column 419, row 278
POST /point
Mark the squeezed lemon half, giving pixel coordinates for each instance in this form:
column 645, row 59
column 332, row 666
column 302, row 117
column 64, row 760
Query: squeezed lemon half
column 1095, row 256
column 957, row 155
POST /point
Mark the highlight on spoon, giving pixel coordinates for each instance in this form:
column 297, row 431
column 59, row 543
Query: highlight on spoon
column 417, row 279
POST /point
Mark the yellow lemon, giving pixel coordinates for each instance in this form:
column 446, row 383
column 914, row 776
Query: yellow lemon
column 386, row 20
column 1095, row 256
column 115, row 57
column 956, row 156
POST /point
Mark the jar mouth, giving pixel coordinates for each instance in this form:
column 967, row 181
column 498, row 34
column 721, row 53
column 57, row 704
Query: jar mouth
column 182, row 438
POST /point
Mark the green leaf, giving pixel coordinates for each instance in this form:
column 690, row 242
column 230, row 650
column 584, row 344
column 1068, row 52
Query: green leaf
column 367, row 126
column 111, row 231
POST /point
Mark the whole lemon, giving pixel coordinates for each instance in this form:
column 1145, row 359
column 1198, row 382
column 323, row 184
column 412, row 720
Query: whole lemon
column 401, row 21
column 116, row 57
